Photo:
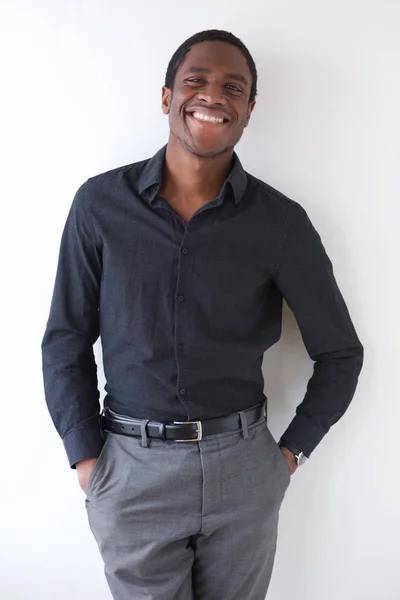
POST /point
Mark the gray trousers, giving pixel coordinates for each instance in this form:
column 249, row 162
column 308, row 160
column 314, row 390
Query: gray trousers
column 188, row 521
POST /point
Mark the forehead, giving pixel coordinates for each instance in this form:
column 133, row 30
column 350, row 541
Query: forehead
column 217, row 56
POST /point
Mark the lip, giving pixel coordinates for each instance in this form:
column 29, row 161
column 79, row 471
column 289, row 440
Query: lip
column 209, row 112
column 206, row 124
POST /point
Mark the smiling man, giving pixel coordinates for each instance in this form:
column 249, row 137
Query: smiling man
column 180, row 263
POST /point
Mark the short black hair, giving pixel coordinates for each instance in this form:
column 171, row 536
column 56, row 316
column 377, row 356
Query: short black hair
column 210, row 35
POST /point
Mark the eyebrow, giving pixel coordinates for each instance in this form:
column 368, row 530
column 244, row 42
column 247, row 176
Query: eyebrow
column 235, row 76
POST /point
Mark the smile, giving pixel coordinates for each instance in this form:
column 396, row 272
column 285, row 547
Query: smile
column 200, row 117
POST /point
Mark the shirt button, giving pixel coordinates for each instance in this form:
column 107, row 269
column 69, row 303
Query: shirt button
column 184, row 250
column 180, row 298
column 180, row 346
column 182, row 391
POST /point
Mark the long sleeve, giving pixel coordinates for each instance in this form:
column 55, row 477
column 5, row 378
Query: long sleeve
column 69, row 367
column 305, row 277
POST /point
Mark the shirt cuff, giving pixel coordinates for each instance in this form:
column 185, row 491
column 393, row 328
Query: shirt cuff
column 303, row 434
column 83, row 443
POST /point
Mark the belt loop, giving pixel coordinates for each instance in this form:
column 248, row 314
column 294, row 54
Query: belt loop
column 143, row 424
column 161, row 431
column 243, row 422
column 265, row 406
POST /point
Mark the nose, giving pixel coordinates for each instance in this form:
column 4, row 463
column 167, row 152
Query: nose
column 212, row 93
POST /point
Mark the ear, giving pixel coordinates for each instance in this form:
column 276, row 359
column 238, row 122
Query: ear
column 166, row 99
column 249, row 111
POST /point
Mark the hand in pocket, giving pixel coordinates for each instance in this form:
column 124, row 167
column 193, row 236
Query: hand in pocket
column 83, row 469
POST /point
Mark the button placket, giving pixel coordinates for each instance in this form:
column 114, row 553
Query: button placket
column 183, row 273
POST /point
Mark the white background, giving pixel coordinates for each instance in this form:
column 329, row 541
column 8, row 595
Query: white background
column 81, row 88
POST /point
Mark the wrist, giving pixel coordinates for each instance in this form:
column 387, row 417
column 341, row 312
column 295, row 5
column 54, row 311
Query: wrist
column 298, row 455
column 87, row 462
column 290, row 456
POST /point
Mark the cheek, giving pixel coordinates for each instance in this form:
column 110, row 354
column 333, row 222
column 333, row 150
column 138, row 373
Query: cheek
column 244, row 118
column 173, row 115
column 240, row 111
column 176, row 113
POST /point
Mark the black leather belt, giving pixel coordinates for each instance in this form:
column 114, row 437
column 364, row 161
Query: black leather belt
column 179, row 431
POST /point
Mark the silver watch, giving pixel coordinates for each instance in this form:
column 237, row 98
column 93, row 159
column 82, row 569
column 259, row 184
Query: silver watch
column 299, row 454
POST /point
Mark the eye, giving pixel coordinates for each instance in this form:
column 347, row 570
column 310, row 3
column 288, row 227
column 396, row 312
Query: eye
column 233, row 88
column 195, row 80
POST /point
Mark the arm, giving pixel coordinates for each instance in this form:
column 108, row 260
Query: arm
column 69, row 368
column 304, row 275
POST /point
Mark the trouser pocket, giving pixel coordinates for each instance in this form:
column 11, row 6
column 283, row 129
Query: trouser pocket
column 98, row 466
column 280, row 458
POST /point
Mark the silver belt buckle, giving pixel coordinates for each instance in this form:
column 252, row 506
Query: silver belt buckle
column 199, row 430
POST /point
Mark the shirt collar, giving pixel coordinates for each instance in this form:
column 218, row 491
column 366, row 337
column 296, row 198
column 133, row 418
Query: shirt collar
column 151, row 176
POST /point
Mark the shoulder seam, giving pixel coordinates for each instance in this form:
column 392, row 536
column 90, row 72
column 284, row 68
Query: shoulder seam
column 273, row 191
column 284, row 238
column 88, row 211
column 288, row 203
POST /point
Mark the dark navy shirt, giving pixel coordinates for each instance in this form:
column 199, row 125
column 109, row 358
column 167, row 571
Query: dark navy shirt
column 185, row 311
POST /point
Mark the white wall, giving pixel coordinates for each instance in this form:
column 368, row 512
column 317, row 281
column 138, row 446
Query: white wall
column 81, row 87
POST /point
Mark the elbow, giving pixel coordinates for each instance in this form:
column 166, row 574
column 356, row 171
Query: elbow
column 352, row 354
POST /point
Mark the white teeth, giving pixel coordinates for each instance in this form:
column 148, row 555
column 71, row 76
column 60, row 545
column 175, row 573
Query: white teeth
column 202, row 117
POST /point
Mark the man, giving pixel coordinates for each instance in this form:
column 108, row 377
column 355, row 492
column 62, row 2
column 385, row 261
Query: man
column 180, row 263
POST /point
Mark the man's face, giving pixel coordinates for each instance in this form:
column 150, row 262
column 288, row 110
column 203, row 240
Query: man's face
column 209, row 105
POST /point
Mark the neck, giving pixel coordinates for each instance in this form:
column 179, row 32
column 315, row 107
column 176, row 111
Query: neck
column 192, row 179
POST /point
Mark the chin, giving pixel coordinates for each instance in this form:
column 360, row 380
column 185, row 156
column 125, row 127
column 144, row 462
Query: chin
column 204, row 151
